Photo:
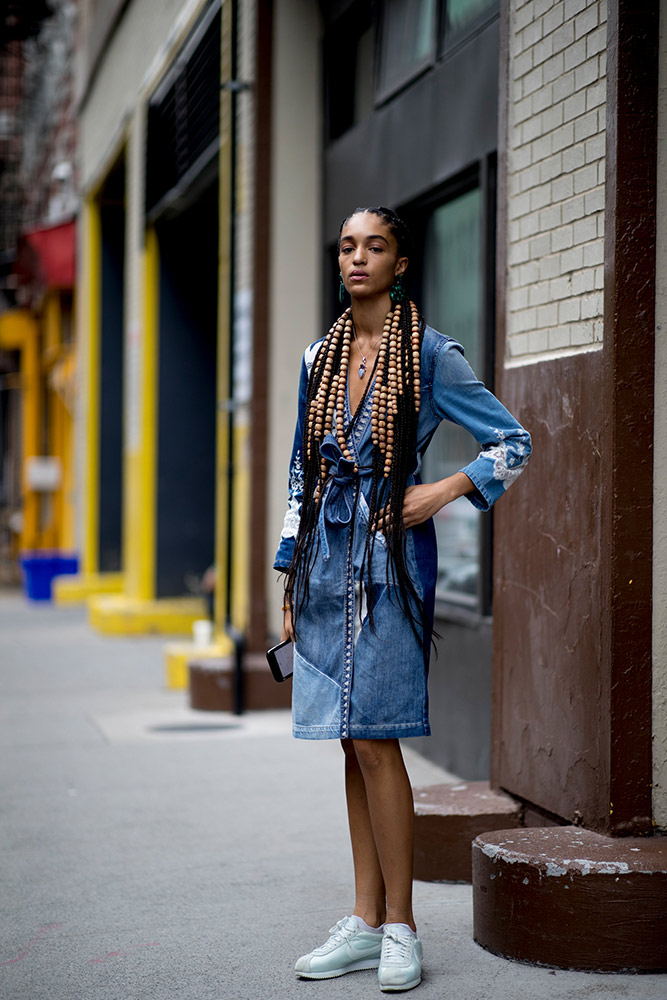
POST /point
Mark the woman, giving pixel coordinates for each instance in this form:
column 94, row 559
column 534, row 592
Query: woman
column 358, row 549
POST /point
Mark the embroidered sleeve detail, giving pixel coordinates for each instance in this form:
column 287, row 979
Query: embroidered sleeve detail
column 293, row 513
column 509, row 457
column 295, row 486
column 310, row 354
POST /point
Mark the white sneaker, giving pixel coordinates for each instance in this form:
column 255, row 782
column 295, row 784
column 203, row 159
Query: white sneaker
column 401, row 960
column 348, row 949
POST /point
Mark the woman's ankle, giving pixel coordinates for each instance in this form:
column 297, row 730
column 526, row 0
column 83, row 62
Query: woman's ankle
column 373, row 917
column 401, row 916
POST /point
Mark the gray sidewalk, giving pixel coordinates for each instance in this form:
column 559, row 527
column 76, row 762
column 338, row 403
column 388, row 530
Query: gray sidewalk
column 148, row 851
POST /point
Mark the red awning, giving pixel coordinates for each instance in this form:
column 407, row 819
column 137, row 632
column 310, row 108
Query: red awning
column 51, row 255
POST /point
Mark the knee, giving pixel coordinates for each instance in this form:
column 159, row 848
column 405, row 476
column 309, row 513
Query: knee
column 373, row 754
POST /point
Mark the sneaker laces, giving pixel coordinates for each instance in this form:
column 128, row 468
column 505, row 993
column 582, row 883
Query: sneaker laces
column 395, row 947
column 337, row 934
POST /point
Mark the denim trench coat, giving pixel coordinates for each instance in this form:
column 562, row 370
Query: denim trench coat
column 351, row 681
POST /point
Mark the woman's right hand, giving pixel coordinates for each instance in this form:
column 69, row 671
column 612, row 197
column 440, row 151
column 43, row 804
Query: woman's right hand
column 288, row 631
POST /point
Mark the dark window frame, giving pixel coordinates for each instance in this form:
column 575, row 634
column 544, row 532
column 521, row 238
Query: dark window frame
column 342, row 33
column 339, row 47
column 384, row 94
column 449, row 42
column 482, row 174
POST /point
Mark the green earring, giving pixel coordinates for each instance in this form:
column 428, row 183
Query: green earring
column 341, row 287
column 397, row 291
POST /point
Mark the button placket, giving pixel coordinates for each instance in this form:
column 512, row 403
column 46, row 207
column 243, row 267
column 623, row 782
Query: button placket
column 349, row 643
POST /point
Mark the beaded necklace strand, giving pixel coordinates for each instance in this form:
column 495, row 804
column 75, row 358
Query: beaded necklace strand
column 326, row 412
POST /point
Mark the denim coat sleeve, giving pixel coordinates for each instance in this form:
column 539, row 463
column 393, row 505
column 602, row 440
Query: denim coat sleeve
column 457, row 394
column 293, row 515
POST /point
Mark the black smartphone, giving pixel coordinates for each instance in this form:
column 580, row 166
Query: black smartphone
column 280, row 659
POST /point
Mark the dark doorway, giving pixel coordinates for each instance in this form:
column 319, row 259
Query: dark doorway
column 188, row 302
column 111, row 201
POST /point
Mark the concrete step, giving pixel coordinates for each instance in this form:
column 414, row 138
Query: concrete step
column 213, row 680
column 447, row 820
column 570, row 898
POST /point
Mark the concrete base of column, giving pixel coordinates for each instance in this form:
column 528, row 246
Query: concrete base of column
column 447, row 820
column 77, row 589
column 117, row 614
column 212, row 685
column 569, row 898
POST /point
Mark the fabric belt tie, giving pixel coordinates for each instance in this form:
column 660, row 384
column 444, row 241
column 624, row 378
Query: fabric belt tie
column 339, row 491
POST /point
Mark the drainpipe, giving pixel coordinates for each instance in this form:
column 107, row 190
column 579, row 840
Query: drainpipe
column 230, row 89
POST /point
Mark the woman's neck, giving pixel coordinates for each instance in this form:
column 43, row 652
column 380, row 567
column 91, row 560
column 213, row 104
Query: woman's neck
column 369, row 317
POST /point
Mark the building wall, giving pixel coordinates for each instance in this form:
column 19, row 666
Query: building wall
column 572, row 657
column 555, row 173
column 49, row 120
column 112, row 115
column 551, row 696
column 295, row 244
column 113, row 122
column 148, row 32
column 11, row 92
column 660, row 458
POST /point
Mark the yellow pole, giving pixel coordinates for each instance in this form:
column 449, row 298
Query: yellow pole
column 92, row 287
column 67, row 539
column 19, row 332
column 52, row 530
column 31, row 419
column 142, row 525
column 241, row 527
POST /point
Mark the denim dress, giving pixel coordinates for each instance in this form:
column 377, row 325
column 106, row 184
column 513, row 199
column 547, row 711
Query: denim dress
column 351, row 681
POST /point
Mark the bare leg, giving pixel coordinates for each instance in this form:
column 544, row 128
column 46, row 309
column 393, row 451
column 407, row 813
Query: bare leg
column 381, row 828
column 368, row 881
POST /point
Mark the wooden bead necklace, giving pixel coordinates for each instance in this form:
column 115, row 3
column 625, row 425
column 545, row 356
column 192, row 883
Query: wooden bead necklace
column 394, row 375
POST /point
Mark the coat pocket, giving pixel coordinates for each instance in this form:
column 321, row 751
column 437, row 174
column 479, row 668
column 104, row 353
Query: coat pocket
column 315, row 696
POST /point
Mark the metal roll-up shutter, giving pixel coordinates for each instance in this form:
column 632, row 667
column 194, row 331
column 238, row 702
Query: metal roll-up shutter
column 184, row 118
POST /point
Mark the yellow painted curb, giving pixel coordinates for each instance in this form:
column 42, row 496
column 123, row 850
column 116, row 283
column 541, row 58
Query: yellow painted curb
column 179, row 654
column 116, row 614
column 76, row 589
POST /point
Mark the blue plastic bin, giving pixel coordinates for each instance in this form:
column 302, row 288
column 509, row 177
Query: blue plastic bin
column 39, row 569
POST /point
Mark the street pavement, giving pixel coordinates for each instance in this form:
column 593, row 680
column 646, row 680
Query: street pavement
column 151, row 851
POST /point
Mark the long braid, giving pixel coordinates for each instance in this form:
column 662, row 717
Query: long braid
column 321, row 398
column 392, row 466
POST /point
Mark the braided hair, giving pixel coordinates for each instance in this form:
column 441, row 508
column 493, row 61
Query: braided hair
column 395, row 414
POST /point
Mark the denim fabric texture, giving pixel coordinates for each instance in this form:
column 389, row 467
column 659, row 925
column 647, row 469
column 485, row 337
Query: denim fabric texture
column 353, row 682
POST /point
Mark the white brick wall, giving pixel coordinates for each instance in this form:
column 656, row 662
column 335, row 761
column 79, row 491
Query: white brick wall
column 555, row 177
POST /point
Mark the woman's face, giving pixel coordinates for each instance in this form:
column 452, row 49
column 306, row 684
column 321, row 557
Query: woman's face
column 368, row 256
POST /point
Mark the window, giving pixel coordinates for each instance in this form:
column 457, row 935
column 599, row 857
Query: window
column 407, row 41
column 453, row 304
column 462, row 17
column 375, row 48
column 349, row 51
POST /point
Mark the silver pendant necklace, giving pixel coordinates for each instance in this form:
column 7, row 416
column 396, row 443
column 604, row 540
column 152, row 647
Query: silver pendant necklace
column 364, row 363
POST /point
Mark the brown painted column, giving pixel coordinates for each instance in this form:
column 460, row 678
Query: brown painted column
column 629, row 351
column 571, row 727
column 257, row 631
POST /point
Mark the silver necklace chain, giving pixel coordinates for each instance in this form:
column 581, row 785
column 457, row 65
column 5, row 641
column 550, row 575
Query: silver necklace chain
column 364, row 363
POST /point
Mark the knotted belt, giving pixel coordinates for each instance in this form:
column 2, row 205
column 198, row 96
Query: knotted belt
column 340, row 489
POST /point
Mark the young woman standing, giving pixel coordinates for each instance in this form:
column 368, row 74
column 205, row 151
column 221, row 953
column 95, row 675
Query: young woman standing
column 359, row 553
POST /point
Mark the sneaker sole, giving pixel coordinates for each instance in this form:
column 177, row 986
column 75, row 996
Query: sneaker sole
column 369, row 963
column 399, row 989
